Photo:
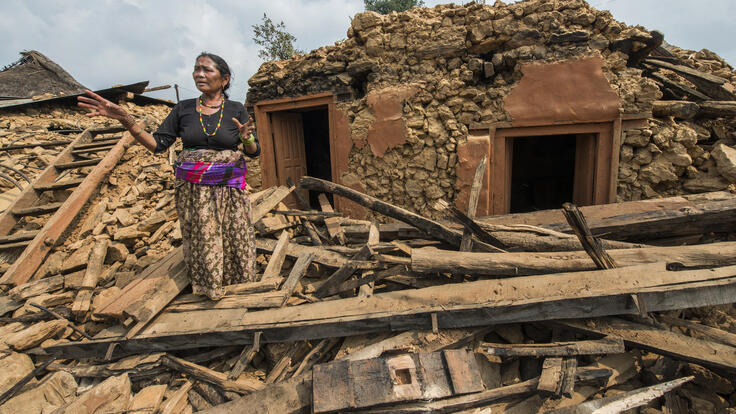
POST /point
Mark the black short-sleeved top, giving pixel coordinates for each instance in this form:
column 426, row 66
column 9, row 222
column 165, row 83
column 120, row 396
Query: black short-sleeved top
column 183, row 121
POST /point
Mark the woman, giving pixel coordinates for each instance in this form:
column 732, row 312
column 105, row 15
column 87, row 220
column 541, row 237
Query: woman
column 211, row 197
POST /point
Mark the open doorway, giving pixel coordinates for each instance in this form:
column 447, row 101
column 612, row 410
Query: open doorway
column 542, row 172
column 316, row 124
column 301, row 139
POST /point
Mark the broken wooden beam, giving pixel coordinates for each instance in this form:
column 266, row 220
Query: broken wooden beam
column 520, row 299
column 607, row 345
column 428, row 226
column 661, row 341
column 242, row 385
column 431, row 260
column 332, row 284
column 270, row 201
column 623, row 402
column 323, row 256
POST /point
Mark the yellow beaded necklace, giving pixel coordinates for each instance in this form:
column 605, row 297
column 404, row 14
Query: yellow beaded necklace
column 219, row 122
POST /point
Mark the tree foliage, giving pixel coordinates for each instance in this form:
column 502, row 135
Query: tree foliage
column 276, row 42
column 387, row 6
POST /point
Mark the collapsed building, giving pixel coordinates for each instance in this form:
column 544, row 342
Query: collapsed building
column 507, row 313
column 566, row 103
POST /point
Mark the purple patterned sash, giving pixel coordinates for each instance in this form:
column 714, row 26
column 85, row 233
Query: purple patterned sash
column 231, row 174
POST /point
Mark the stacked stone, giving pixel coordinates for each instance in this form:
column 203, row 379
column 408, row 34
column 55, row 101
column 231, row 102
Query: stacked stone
column 461, row 62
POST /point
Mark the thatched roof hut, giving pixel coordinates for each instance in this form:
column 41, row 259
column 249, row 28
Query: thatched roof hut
column 35, row 74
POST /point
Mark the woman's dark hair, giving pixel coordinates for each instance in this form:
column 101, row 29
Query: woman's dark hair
column 221, row 66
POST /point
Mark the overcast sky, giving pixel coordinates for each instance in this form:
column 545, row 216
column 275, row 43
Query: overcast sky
column 106, row 42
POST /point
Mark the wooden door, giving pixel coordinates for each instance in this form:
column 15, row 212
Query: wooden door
column 288, row 142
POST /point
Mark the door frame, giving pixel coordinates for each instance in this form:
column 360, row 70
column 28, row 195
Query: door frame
column 603, row 166
column 263, row 110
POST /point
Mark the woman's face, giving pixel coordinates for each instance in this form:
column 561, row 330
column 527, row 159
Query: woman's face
column 206, row 76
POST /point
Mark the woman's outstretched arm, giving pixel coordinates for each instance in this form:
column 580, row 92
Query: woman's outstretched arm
column 100, row 106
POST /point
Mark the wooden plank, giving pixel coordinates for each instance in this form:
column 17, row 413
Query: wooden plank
column 19, row 236
column 332, row 223
column 96, row 144
column 91, row 150
column 148, row 399
column 323, row 256
column 463, row 369
column 331, row 285
column 176, row 403
column 77, row 164
column 297, row 272
column 623, row 402
column 551, row 375
column 431, row 227
column 59, row 185
column 431, row 260
column 37, row 287
column 242, row 385
column 161, row 290
column 9, row 246
column 252, row 287
column 245, row 358
column 475, row 189
column 662, row 341
column 271, row 201
column 273, row 269
column 7, row 304
column 455, row 404
column 714, row 334
column 189, row 303
column 289, row 397
column 32, row 257
column 92, row 274
column 141, row 285
column 37, row 210
column 567, row 379
column 520, row 299
column 46, row 144
column 607, row 345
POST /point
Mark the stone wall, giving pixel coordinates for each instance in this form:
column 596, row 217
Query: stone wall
column 452, row 67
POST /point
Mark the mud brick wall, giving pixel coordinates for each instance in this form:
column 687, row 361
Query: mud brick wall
column 413, row 84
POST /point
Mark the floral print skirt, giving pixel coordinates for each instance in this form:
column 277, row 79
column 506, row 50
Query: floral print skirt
column 217, row 232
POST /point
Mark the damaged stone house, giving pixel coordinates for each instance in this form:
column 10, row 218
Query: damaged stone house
column 567, row 104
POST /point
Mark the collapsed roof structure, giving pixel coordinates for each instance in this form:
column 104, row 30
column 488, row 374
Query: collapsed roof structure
column 608, row 307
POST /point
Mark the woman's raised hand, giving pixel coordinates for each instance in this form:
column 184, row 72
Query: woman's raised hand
column 99, row 106
column 247, row 128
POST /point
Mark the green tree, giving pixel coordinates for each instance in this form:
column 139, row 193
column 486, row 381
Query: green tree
column 277, row 43
column 387, row 6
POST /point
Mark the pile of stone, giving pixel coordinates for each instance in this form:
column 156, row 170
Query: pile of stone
column 326, row 285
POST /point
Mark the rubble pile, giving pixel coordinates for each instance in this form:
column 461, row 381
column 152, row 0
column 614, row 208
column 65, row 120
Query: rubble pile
column 374, row 305
column 441, row 73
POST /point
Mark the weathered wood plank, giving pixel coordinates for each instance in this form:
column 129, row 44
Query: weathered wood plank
column 270, row 201
column 273, row 269
column 662, row 341
column 431, row 260
column 242, row 385
column 533, row 298
column 323, row 256
column 623, row 402
column 607, row 345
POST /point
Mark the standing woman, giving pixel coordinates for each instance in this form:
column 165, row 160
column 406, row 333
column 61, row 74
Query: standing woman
column 211, row 196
